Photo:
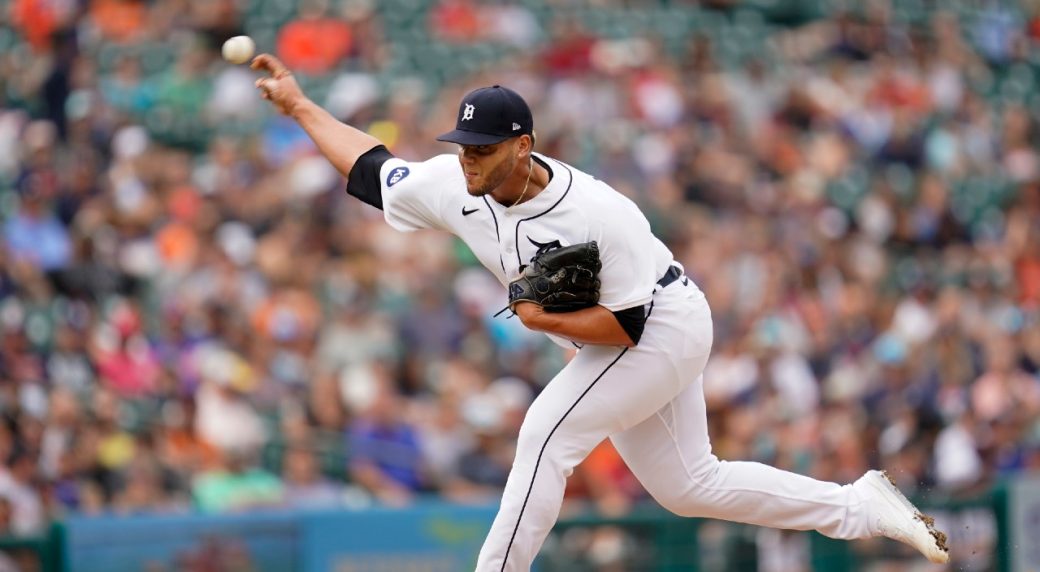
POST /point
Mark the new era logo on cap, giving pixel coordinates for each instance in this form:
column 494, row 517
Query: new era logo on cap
column 503, row 114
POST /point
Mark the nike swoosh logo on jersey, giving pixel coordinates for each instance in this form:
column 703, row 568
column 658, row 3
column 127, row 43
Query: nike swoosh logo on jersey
column 467, row 213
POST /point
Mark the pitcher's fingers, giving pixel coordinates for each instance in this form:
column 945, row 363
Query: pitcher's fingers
column 270, row 64
column 264, row 62
column 259, row 62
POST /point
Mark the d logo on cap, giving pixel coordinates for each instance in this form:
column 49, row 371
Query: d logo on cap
column 503, row 115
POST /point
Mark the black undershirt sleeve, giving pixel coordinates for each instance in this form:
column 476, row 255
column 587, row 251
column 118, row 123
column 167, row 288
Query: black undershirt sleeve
column 363, row 181
column 632, row 320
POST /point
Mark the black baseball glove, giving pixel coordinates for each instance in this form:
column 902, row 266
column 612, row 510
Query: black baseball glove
column 560, row 280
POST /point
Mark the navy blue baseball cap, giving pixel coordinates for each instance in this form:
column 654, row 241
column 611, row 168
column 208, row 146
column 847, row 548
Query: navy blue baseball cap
column 490, row 115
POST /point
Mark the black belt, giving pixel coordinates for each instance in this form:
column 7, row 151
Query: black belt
column 674, row 273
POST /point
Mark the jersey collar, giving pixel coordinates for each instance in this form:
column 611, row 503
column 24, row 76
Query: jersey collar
column 550, row 195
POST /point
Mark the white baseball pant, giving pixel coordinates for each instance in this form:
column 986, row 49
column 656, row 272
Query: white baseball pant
column 649, row 400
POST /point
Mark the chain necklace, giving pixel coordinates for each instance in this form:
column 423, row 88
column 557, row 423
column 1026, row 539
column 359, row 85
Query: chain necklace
column 530, row 170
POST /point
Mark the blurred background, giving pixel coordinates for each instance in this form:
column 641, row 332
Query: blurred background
column 199, row 328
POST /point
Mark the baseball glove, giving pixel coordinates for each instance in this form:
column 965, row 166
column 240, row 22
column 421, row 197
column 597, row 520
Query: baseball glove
column 563, row 279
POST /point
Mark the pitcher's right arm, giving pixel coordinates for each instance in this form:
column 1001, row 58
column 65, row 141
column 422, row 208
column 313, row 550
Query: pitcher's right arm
column 340, row 143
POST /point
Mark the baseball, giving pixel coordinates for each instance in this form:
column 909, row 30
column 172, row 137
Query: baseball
column 238, row 50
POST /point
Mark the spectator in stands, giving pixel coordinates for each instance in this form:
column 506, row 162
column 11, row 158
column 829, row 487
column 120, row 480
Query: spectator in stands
column 18, row 487
column 142, row 488
column 7, row 563
column 482, row 471
column 305, row 486
column 224, row 416
column 34, row 235
column 6, row 517
column 237, row 485
column 384, row 451
column 315, row 42
column 455, row 21
column 119, row 20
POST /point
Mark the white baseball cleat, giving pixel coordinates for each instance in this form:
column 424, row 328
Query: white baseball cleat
column 897, row 518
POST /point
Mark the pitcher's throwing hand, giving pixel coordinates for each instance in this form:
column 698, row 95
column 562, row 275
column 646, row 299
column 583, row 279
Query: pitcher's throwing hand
column 279, row 87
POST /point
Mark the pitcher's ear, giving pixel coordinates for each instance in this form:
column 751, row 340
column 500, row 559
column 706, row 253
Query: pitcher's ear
column 526, row 146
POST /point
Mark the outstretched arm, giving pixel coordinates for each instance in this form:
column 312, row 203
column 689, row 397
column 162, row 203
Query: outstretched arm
column 340, row 143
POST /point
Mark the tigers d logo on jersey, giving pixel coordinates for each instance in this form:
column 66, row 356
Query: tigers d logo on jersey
column 396, row 175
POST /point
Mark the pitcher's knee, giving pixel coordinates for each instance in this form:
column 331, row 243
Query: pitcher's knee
column 550, row 451
column 534, row 440
column 692, row 496
column 682, row 501
column 678, row 506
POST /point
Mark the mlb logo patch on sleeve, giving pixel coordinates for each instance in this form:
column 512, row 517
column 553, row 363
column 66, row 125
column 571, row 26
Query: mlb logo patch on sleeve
column 396, row 176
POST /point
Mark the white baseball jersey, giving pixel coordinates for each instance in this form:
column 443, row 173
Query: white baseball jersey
column 573, row 208
column 647, row 399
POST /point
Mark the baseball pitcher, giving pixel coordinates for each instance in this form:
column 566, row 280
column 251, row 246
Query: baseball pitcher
column 581, row 264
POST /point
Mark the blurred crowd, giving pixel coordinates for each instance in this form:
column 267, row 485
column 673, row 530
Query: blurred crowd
column 194, row 315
